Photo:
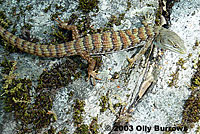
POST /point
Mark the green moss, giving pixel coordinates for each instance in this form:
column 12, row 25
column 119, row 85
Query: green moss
column 59, row 75
column 14, row 10
column 78, row 107
column 128, row 5
column 83, row 129
column 115, row 20
column 28, row 26
column 197, row 43
column 175, row 75
column 61, row 36
column 115, row 76
column 31, row 112
column 1, row 1
column 104, row 103
column 189, row 55
column 58, row 6
column 63, row 131
column 191, row 113
column 47, row 8
column 52, row 130
column 94, row 126
column 70, row 94
column 181, row 63
column 7, row 66
column 88, row 5
column 174, row 80
column 117, row 105
column 198, row 130
column 158, row 14
column 4, row 21
column 15, row 91
column 196, row 77
column 29, row 7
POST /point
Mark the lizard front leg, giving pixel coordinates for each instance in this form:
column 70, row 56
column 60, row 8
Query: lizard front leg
column 91, row 66
column 140, row 53
column 73, row 28
column 85, row 55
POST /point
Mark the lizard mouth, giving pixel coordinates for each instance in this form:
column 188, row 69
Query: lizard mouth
column 181, row 50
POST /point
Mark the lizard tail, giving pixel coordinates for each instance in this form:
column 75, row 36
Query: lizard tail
column 60, row 50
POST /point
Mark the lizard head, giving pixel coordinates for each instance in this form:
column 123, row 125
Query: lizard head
column 169, row 40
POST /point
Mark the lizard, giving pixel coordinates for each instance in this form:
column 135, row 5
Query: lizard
column 101, row 43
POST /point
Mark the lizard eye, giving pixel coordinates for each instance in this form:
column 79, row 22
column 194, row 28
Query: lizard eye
column 175, row 46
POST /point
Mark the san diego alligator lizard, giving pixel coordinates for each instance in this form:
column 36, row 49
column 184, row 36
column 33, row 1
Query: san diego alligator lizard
column 100, row 43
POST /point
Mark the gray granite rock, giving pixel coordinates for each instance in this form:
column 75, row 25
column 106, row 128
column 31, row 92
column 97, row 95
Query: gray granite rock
column 162, row 105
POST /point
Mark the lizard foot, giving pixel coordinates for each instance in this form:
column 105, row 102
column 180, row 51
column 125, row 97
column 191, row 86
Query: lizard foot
column 93, row 75
column 131, row 61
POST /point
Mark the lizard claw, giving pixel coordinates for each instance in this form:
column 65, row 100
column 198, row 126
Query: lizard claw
column 61, row 23
column 93, row 75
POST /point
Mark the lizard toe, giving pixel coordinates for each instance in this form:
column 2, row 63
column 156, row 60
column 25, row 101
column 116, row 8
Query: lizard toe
column 93, row 74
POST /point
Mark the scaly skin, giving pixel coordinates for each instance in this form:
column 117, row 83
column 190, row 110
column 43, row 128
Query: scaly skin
column 106, row 42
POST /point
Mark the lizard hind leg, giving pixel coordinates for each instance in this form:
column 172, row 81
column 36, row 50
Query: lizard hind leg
column 91, row 65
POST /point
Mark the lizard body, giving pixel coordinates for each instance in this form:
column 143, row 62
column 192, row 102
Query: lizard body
column 100, row 43
column 107, row 42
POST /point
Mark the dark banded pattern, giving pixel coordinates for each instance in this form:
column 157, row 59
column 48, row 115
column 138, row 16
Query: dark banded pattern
column 133, row 39
column 142, row 34
column 116, row 41
column 60, row 50
column 96, row 39
column 93, row 44
column 106, row 42
column 149, row 31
